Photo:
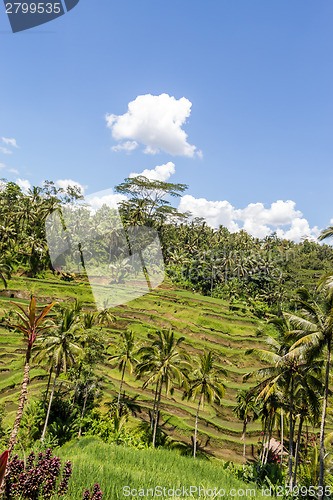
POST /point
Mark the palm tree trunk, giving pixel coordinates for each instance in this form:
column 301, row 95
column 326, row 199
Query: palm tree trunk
column 297, row 447
column 50, row 403
column 156, row 413
column 154, row 407
column 48, row 387
column 291, row 434
column 282, row 428
column 244, row 441
column 322, row 424
column 22, row 399
column 196, row 429
column 121, row 385
column 83, row 410
column 269, row 437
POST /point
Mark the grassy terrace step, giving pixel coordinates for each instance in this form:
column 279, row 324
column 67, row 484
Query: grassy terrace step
column 205, row 322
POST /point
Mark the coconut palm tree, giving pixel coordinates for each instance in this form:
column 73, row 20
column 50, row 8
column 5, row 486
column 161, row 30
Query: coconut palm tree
column 313, row 331
column 31, row 324
column 125, row 355
column 205, row 383
column 287, row 369
column 246, row 409
column 63, row 345
column 163, row 362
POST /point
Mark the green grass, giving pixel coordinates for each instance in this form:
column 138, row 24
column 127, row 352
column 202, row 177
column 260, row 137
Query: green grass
column 115, row 467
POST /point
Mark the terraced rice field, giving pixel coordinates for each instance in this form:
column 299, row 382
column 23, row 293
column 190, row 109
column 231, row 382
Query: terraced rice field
column 206, row 323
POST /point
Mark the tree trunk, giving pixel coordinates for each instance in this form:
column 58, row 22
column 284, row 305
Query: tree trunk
column 83, row 410
column 322, row 424
column 153, row 414
column 156, row 413
column 22, row 400
column 291, row 436
column 297, row 447
column 48, row 387
column 269, row 437
column 244, row 441
column 196, row 428
column 282, row 428
column 121, row 385
column 50, row 403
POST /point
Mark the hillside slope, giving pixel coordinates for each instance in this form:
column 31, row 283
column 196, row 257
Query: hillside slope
column 206, row 323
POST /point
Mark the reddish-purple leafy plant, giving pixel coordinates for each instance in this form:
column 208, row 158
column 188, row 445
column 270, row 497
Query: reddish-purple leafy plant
column 95, row 495
column 38, row 478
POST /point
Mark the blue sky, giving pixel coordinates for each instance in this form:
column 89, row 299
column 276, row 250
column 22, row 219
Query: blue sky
column 250, row 83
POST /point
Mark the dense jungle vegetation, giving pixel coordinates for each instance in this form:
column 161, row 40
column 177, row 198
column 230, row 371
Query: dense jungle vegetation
column 228, row 360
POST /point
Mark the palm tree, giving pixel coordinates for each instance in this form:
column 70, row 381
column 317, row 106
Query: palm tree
column 125, row 357
column 245, row 410
column 163, row 362
column 313, row 329
column 206, row 384
column 287, row 369
column 31, row 325
column 63, row 346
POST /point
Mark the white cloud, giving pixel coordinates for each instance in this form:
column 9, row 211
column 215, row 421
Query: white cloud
column 106, row 197
column 10, row 142
column 156, row 122
column 64, row 183
column 125, row 146
column 13, row 171
column 24, row 184
column 254, row 218
column 214, row 212
column 5, row 151
column 2, row 165
column 299, row 230
column 159, row 173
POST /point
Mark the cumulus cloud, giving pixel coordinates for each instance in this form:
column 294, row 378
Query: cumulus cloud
column 159, row 173
column 64, row 183
column 156, row 122
column 5, row 151
column 24, row 184
column 13, row 171
column 10, row 142
column 106, row 197
column 254, row 218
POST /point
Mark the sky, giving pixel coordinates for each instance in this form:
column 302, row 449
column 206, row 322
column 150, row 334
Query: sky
column 232, row 98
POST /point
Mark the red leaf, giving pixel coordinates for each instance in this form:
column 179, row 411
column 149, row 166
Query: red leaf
column 3, row 463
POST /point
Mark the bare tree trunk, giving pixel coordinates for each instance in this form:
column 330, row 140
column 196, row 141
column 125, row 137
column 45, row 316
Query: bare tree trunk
column 83, row 410
column 196, row 428
column 49, row 407
column 297, row 447
column 121, row 385
column 322, row 424
column 156, row 414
